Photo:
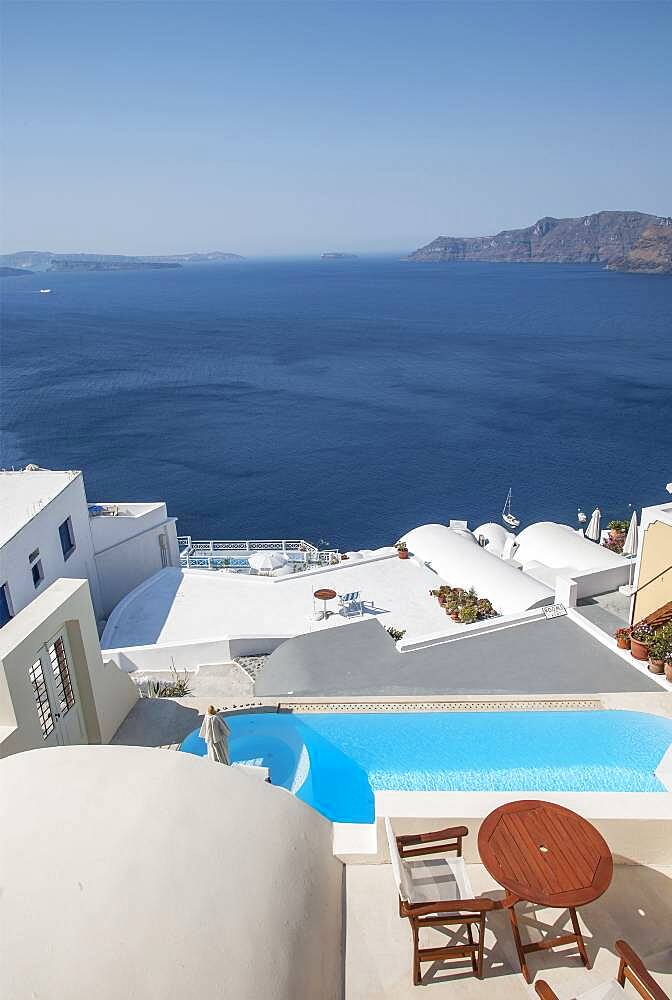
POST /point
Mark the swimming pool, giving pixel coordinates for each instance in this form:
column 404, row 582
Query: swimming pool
column 336, row 761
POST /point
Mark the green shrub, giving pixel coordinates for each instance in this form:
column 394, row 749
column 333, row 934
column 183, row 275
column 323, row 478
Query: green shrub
column 468, row 614
column 396, row 633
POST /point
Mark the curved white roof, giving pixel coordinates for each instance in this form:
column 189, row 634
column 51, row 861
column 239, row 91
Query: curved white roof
column 559, row 546
column 496, row 534
column 461, row 563
column 164, row 875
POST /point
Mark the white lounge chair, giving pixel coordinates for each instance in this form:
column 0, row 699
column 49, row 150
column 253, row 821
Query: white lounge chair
column 347, row 602
column 437, row 892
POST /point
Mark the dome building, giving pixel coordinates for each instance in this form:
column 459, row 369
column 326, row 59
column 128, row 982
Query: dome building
column 132, row 872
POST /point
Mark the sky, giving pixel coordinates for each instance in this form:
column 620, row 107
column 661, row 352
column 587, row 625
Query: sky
column 293, row 128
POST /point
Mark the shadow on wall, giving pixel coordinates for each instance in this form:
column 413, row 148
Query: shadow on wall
column 156, row 722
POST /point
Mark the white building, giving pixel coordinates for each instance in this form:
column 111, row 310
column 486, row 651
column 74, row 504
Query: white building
column 48, row 531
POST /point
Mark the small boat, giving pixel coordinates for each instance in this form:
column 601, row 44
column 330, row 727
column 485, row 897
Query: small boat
column 507, row 516
column 581, row 517
column 45, row 291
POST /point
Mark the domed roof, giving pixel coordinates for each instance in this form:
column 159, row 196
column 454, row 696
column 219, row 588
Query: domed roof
column 461, row 562
column 559, row 546
column 496, row 534
column 134, row 872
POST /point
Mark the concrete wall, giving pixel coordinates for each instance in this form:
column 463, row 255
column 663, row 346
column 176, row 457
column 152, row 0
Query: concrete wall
column 187, row 655
column 655, row 558
column 169, row 877
column 127, row 549
column 42, row 532
column 105, row 694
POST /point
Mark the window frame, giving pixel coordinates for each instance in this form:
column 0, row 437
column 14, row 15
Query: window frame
column 67, row 525
column 4, row 590
column 37, row 567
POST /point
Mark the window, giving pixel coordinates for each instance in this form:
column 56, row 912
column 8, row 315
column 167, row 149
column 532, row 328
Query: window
column 59, row 665
column 36, row 677
column 163, row 547
column 38, row 573
column 5, row 605
column 67, row 538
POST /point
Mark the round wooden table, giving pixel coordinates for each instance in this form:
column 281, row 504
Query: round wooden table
column 543, row 853
column 325, row 594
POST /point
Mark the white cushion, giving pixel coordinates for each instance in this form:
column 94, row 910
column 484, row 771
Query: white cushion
column 606, row 991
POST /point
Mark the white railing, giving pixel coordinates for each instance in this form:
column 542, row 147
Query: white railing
column 232, row 554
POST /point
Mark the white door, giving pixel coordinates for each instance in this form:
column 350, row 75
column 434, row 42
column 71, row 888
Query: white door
column 56, row 693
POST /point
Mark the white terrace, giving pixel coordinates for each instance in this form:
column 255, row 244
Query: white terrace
column 181, row 606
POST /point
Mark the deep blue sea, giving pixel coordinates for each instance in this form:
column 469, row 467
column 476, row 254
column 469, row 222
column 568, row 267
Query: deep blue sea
column 347, row 401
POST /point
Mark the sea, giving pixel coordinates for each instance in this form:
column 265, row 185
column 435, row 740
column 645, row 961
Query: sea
column 344, row 401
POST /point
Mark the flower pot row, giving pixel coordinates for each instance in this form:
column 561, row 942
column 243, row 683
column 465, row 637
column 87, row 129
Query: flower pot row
column 649, row 644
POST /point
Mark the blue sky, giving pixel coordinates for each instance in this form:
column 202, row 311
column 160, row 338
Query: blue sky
column 290, row 128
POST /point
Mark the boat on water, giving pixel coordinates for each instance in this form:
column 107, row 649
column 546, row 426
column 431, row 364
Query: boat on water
column 581, row 516
column 507, row 516
column 45, row 291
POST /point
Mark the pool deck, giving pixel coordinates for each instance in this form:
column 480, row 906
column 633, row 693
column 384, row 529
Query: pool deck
column 637, row 907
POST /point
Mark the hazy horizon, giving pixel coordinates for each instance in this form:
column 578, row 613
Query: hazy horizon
column 288, row 129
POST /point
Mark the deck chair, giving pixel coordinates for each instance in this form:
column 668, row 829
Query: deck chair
column 631, row 968
column 348, row 601
column 436, row 892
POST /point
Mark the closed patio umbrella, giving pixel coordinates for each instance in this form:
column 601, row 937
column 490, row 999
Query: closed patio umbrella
column 593, row 529
column 215, row 732
column 267, row 560
column 631, row 540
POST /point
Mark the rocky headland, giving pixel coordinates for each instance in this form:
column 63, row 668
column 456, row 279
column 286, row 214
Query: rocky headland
column 617, row 240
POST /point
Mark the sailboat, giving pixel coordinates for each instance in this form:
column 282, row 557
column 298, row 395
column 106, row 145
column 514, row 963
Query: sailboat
column 507, row 516
column 580, row 516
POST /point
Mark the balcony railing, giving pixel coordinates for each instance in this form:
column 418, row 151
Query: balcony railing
column 233, row 554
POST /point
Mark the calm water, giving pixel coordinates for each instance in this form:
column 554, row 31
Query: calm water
column 350, row 756
column 348, row 401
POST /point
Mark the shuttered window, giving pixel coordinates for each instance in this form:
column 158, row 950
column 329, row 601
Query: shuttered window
column 44, row 715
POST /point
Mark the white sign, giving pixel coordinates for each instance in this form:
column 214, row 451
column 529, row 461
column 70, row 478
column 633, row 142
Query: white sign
column 554, row 610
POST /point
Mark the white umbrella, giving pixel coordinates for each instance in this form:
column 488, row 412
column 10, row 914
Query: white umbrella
column 632, row 537
column 215, row 732
column 631, row 540
column 593, row 529
column 267, row 560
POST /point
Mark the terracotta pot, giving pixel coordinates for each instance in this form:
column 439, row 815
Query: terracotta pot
column 657, row 666
column 403, row 553
column 455, row 615
column 623, row 643
column 639, row 650
column 344, row 557
column 668, row 670
column 442, row 600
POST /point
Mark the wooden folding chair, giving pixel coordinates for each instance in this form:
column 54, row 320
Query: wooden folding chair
column 436, row 892
column 631, row 968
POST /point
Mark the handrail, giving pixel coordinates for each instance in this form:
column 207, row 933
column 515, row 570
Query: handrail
column 215, row 553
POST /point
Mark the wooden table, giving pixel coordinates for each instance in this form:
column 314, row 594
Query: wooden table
column 325, row 594
column 543, row 853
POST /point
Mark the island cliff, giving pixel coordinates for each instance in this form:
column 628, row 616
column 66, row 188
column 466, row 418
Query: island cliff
column 603, row 238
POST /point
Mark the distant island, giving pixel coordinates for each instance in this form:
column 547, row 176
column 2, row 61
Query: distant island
column 623, row 241
column 332, row 255
column 14, row 272
column 46, row 260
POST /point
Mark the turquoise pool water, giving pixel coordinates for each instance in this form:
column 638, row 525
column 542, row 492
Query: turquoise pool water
column 335, row 762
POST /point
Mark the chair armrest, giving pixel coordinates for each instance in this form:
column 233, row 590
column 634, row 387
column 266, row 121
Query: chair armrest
column 420, row 838
column 545, row 991
column 478, row 905
column 631, row 961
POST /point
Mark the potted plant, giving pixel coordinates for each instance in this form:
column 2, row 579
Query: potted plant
column 402, row 549
column 640, row 636
column 617, row 528
column 668, row 667
column 657, row 653
column 467, row 614
column 622, row 638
